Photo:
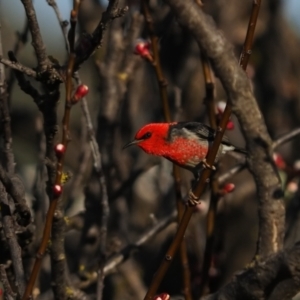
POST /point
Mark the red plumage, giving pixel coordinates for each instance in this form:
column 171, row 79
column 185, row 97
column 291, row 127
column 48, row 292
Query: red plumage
column 184, row 143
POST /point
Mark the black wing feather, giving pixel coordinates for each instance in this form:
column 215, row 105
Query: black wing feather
column 201, row 130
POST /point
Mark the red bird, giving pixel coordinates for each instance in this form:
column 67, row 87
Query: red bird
column 184, row 143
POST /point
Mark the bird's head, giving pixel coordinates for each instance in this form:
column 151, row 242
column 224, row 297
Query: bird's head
column 151, row 138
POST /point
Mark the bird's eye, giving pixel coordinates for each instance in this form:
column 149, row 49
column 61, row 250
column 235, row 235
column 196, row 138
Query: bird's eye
column 147, row 135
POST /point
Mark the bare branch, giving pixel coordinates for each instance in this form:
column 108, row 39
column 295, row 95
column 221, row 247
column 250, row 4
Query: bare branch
column 163, row 91
column 17, row 66
column 8, row 292
column 63, row 23
column 277, row 143
column 55, row 174
column 120, row 257
column 117, row 259
column 11, row 238
column 8, row 160
column 37, row 41
column 259, row 143
column 265, row 280
column 15, row 189
column 22, row 38
column 285, row 138
column 89, row 43
column 235, row 83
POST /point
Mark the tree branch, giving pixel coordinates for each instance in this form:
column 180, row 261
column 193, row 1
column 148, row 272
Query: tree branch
column 275, row 278
column 259, row 143
column 37, row 41
column 19, row 67
column 89, row 43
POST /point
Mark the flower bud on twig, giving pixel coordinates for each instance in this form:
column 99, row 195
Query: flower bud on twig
column 81, row 91
column 59, row 150
column 228, row 188
column 142, row 48
column 279, row 161
column 57, row 190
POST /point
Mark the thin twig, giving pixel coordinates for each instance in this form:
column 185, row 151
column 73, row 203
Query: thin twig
column 122, row 256
column 104, row 205
column 119, row 60
column 209, row 90
column 244, row 58
column 117, row 259
column 214, row 197
column 231, row 172
column 55, row 194
column 183, row 10
column 88, row 43
column 84, row 158
column 63, row 23
column 210, row 231
column 162, row 82
column 285, row 138
column 180, row 209
column 277, row 143
column 246, row 52
column 211, row 215
column 19, row 67
column 22, row 39
column 90, row 129
column 73, row 23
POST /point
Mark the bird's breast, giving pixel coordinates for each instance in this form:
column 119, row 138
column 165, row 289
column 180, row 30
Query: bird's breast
column 185, row 152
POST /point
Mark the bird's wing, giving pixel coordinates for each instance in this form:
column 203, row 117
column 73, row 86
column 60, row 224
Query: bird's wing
column 201, row 130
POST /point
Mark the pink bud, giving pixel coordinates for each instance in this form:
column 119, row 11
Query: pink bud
column 292, row 187
column 60, row 150
column 81, row 91
column 228, row 188
column 280, row 163
column 142, row 48
column 57, row 190
column 162, row 296
column 230, row 125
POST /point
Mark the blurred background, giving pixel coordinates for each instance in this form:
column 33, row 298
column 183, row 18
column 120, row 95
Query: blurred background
column 141, row 187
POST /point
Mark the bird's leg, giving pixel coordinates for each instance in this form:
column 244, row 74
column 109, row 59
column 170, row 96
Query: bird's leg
column 207, row 166
column 192, row 199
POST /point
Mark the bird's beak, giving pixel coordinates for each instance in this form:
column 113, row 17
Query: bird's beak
column 131, row 143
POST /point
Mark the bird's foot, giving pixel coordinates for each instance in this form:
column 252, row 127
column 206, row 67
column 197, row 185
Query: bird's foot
column 207, row 166
column 192, row 199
